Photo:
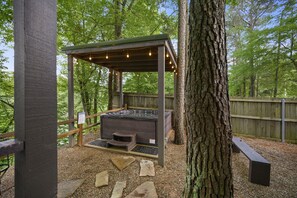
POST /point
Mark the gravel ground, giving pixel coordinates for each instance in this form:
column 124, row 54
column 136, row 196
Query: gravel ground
column 75, row 163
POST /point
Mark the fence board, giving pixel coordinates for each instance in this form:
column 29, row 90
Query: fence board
column 253, row 117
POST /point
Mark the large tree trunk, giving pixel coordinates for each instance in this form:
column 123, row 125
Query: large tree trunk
column 180, row 84
column 277, row 59
column 209, row 172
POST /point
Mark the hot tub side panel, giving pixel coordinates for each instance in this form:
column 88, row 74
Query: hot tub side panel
column 145, row 129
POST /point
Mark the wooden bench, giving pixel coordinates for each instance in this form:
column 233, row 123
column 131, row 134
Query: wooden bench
column 259, row 167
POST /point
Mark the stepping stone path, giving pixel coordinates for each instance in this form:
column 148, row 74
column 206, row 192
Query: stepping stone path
column 122, row 162
column 118, row 189
column 147, row 168
column 145, row 190
column 101, row 179
column 67, row 188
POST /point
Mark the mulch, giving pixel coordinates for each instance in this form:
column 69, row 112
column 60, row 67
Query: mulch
column 83, row 162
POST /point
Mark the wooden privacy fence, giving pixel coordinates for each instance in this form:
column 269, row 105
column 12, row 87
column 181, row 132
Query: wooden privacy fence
column 249, row 116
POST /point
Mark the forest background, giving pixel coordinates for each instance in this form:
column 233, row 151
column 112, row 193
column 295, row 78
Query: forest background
column 261, row 41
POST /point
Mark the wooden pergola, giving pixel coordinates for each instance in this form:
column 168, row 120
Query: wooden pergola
column 141, row 54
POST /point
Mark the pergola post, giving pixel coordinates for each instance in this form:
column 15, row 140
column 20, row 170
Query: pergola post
column 121, row 97
column 161, row 105
column 71, row 138
column 35, row 98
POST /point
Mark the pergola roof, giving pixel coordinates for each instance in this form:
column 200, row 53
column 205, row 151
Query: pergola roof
column 142, row 53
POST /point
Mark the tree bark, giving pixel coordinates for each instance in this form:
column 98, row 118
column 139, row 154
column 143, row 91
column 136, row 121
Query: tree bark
column 180, row 93
column 208, row 126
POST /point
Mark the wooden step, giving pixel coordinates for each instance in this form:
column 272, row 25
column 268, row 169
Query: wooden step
column 124, row 137
column 127, row 145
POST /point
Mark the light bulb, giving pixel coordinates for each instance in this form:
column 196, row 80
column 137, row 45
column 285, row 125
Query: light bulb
column 106, row 56
column 167, row 55
column 170, row 62
column 150, row 53
column 174, row 71
column 90, row 58
column 128, row 55
column 172, row 67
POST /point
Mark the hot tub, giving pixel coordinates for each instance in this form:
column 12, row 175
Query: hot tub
column 141, row 122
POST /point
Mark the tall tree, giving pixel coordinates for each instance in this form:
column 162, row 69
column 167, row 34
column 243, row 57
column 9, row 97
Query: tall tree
column 208, row 127
column 180, row 78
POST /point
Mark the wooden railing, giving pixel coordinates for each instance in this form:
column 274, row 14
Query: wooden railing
column 10, row 135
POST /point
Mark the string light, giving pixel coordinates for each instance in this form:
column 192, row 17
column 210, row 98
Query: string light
column 174, row 71
column 127, row 55
column 90, row 58
column 172, row 67
column 106, row 57
column 167, row 55
column 170, row 62
column 150, row 53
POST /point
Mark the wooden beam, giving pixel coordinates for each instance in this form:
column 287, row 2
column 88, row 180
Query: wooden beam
column 35, row 96
column 67, row 121
column 117, row 47
column 67, row 134
column 10, row 147
column 171, row 53
column 71, row 138
column 118, row 55
column 161, row 106
column 126, row 61
column 6, row 135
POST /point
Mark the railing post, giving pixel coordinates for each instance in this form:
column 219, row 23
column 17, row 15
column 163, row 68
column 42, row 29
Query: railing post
column 283, row 119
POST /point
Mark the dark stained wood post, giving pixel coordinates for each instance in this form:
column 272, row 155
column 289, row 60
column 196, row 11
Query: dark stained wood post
column 71, row 138
column 35, row 98
column 110, row 92
column 161, row 105
column 121, row 89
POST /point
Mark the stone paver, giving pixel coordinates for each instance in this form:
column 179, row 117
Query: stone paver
column 147, row 168
column 145, row 190
column 67, row 188
column 118, row 189
column 122, row 162
column 101, row 179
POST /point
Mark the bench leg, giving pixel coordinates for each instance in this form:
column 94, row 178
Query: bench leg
column 235, row 149
column 259, row 173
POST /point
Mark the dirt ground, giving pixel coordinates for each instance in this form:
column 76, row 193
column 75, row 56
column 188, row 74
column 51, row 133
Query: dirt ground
column 76, row 163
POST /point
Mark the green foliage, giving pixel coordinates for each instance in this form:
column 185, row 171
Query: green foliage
column 6, row 21
column 147, row 83
column 6, row 98
column 262, row 45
